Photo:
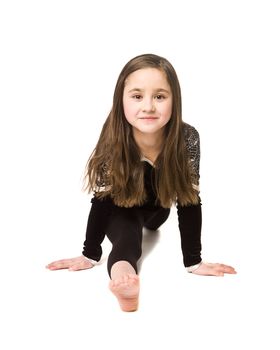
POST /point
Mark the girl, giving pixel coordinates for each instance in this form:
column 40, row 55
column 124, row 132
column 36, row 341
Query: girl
column 145, row 160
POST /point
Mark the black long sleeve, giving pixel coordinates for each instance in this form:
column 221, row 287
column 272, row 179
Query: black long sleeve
column 95, row 231
column 190, row 222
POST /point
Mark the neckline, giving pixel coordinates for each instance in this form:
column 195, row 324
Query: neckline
column 144, row 159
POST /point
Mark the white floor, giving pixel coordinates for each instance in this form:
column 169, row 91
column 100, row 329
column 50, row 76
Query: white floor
column 74, row 310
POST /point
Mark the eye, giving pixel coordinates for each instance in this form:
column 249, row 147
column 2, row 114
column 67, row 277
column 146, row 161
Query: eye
column 137, row 97
column 160, row 97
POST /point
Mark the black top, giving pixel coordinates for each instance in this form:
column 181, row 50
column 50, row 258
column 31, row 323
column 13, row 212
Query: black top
column 189, row 217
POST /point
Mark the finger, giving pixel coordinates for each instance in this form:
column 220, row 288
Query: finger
column 57, row 262
column 52, row 266
column 84, row 265
column 231, row 271
column 60, row 264
column 226, row 269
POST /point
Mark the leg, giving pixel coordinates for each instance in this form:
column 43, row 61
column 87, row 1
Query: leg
column 157, row 219
column 125, row 234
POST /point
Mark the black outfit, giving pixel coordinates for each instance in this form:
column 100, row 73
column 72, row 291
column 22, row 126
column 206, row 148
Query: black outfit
column 123, row 226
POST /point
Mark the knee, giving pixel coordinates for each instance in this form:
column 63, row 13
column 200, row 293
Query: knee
column 157, row 220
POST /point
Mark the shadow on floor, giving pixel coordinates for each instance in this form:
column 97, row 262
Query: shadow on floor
column 150, row 240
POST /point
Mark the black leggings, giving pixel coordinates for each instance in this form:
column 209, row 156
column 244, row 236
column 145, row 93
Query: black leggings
column 125, row 232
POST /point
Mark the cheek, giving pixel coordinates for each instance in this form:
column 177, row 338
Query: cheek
column 167, row 111
column 127, row 111
column 130, row 110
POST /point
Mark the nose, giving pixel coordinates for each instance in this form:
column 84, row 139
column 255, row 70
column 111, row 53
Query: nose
column 148, row 105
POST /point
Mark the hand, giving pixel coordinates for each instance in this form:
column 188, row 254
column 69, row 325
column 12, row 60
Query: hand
column 209, row 269
column 75, row 264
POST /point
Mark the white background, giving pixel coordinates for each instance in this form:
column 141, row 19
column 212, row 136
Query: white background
column 59, row 64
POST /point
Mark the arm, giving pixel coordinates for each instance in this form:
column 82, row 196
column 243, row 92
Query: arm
column 95, row 233
column 190, row 218
column 190, row 221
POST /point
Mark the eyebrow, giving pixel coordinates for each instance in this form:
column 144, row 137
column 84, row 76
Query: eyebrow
column 157, row 90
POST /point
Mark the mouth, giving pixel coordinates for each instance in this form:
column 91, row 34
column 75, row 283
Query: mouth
column 148, row 118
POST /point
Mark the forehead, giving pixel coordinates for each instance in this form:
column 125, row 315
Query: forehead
column 147, row 78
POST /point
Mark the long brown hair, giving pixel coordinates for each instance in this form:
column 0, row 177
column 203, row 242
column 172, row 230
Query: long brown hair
column 114, row 168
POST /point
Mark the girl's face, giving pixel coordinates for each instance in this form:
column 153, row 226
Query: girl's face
column 147, row 100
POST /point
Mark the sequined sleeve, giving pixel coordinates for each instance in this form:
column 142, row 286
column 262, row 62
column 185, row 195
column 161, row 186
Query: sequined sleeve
column 102, row 183
column 193, row 147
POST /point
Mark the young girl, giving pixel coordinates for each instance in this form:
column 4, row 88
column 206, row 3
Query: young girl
column 146, row 160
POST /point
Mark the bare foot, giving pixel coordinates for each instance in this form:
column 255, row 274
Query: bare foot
column 126, row 289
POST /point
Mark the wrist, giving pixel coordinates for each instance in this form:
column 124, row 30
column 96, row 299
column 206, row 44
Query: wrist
column 193, row 268
column 93, row 262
